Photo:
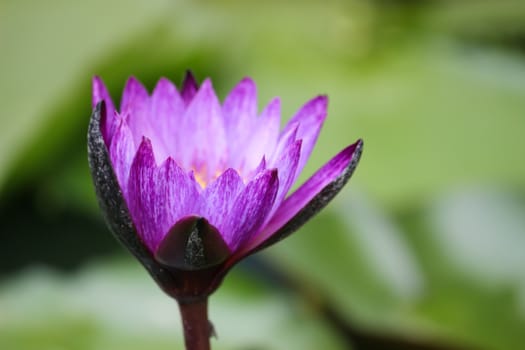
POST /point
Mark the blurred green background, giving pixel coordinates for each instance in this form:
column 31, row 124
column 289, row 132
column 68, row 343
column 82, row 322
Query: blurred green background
column 424, row 249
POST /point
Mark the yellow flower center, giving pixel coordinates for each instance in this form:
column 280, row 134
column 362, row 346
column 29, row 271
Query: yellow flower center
column 201, row 175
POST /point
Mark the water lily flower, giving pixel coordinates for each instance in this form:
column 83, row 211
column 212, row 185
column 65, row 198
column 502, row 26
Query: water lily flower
column 192, row 186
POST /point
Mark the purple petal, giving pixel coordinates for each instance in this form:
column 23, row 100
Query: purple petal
column 203, row 132
column 218, row 198
column 189, row 88
column 287, row 138
column 122, row 151
column 310, row 119
column 251, row 208
column 166, row 110
column 141, row 192
column 158, row 196
column 311, row 197
column 271, row 118
column 100, row 93
column 287, row 167
column 136, row 108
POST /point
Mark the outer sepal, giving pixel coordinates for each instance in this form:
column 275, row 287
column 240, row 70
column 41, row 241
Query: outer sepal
column 192, row 244
column 111, row 200
column 181, row 282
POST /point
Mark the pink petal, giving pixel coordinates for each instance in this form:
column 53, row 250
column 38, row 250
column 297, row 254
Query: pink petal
column 287, row 169
column 202, row 131
column 134, row 106
column 310, row 119
column 251, row 208
column 100, row 93
column 240, row 109
column 134, row 96
column 166, row 111
column 287, row 138
column 158, row 196
column 263, row 139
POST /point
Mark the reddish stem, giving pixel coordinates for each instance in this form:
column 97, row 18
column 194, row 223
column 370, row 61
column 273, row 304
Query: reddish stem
column 197, row 328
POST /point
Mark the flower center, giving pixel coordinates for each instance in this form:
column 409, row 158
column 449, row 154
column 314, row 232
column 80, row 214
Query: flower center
column 200, row 178
column 203, row 177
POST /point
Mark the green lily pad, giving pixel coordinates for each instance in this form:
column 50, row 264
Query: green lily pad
column 116, row 305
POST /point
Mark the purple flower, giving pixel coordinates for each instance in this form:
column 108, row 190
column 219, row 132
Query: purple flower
column 191, row 186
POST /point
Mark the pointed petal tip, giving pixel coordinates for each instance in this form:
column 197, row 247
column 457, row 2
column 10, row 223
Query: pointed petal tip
column 247, row 80
column 245, row 89
column 323, row 98
column 132, row 80
column 145, row 140
column 205, row 97
column 248, row 83
column 168, row 163
column 343, row 165
column 230, row 172
column 356, row 154
column 356, row 149
column 163, row 79
column 321, row 105
column 273, row 178
column 163, row 83
column 189, row 78
column 135, row 86
column 165, row 96
column 270, row 176
column 134, row 94
column 207, row 84
column 99, row 91
column 272, row 109
column 189, row 85
column 145, row 153
column 96, row 81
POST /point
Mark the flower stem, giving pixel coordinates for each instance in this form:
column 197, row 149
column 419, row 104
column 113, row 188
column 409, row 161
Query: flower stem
column 197, row 328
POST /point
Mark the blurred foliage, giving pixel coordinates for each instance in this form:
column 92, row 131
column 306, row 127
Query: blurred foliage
column 108, row 306
column 424, row 251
